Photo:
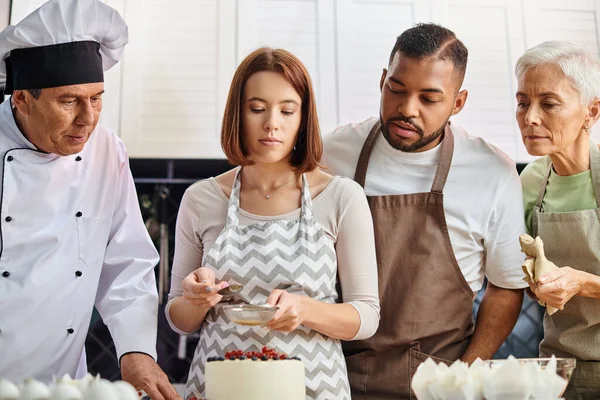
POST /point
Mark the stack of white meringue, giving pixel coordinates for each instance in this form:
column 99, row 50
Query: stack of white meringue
column 510, row 380
column 65, row 388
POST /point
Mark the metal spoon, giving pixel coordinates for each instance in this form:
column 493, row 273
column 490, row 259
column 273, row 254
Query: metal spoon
column 230, row 291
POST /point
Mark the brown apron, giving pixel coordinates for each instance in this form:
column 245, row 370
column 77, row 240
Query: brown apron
column 573, row 239
column 426, row 303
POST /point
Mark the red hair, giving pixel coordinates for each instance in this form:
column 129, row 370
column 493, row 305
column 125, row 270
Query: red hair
column 309, row 146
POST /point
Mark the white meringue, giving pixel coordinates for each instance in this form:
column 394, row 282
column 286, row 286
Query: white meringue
column 8, row 390
column 34, row 390
column 65, row 391
column 126, row 390
column 101, row 389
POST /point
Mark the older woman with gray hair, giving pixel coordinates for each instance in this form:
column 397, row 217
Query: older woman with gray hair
column 558, row 102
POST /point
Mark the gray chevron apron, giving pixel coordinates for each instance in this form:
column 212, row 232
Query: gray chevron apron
column 573, row 239
column 296, row 256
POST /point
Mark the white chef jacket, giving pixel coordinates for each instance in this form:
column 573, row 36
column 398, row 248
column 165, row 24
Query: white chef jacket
column 72, row 237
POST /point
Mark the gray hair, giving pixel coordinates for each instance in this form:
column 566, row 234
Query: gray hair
column 576, row 63
column 36, row 93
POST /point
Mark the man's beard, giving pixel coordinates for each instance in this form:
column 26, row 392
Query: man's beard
column 419, row 144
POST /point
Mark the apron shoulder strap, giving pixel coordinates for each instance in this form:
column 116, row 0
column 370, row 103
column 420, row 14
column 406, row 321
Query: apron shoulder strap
column 595, row 169
column 441, row 173
column 542, row 192
column 360, row 174
column 306, row 212
column 234, row 199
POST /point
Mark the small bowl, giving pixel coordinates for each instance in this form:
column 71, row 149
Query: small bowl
column 250, row 315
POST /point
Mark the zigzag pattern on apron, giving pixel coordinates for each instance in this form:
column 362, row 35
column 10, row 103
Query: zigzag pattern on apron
column 296, row 256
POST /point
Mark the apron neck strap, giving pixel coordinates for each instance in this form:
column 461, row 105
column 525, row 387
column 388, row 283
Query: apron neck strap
column 306, row 199
column 594, row 170
column 360, row 174
column 441, row 173
column 542, row 192
column 234, row 200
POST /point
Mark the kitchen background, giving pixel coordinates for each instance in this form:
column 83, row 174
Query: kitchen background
column 166, row 98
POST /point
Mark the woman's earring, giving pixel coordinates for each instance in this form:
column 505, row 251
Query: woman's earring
column 586, row 125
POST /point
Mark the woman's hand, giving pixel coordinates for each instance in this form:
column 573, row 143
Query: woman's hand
column 289, row 315
column 199, row 288
column 528, row 264
column 530, row 291
column 556, row 288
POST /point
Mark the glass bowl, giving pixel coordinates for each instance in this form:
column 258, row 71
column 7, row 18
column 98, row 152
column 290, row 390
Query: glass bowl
column 250, row 315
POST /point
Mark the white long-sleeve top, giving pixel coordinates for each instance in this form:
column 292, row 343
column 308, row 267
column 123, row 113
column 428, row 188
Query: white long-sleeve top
column 72, row 237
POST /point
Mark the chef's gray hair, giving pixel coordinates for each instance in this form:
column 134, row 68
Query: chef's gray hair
column 575, row 62
column 36, row 93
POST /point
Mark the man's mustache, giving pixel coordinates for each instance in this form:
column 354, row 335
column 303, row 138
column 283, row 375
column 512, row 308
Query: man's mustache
column 406, row 121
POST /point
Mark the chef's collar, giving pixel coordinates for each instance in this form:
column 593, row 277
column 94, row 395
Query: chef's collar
column 10, row 128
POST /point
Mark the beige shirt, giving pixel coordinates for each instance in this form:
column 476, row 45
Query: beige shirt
column 341, row 210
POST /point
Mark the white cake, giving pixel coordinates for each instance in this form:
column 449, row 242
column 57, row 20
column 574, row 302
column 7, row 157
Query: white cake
column 258, row 377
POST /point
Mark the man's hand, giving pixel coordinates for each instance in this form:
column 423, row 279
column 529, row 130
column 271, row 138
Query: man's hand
column 143, row 373
column 557, row 287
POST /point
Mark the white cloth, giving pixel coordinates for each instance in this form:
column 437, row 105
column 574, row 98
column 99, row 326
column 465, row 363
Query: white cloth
column 65, row 21
column 483, row 201
column 45, row 243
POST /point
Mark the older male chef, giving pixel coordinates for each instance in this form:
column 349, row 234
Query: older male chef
column 71, row 229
